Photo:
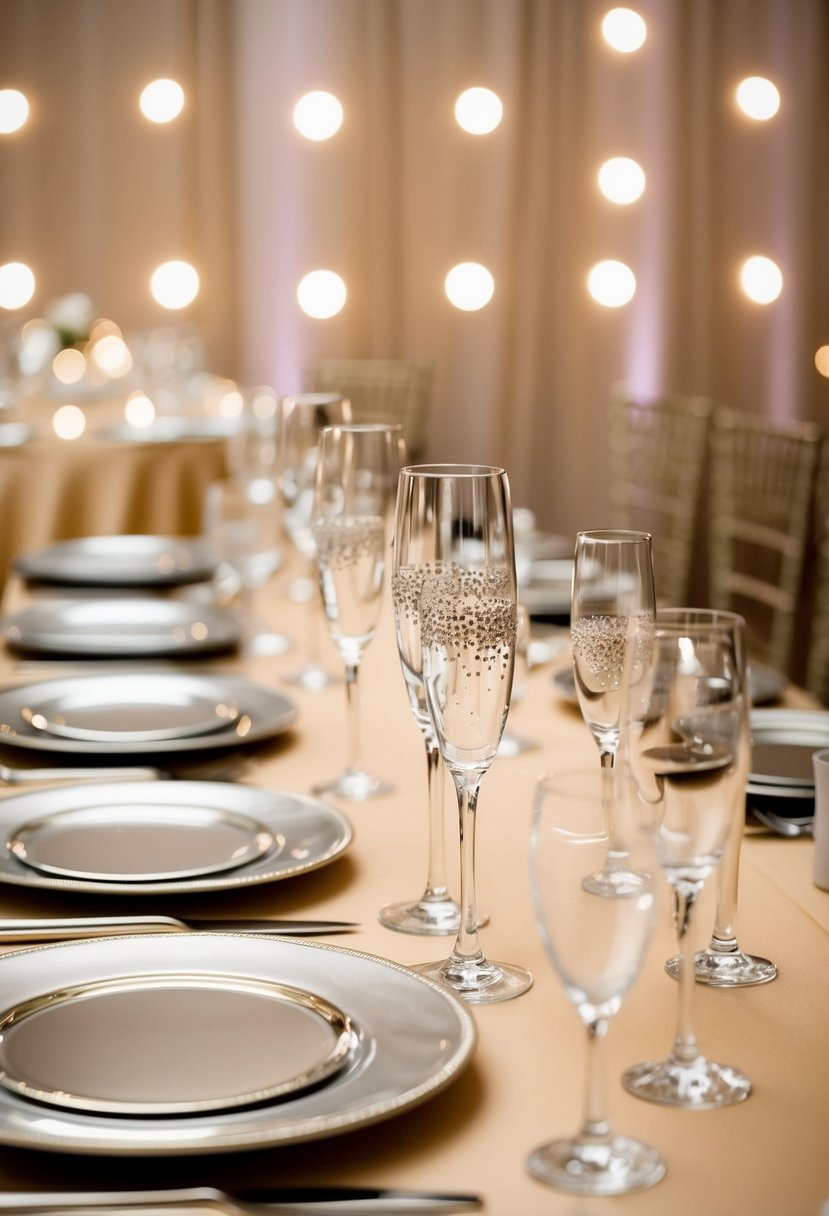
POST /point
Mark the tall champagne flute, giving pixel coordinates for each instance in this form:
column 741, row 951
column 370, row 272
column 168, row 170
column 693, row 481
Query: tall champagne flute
column 468, row 607
column 354, row 488
column 613, row 588
column 689, row 765
column 596, row 944
column 300, row 420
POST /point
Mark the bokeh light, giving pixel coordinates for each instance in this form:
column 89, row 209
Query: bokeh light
column 231, row 404
column 321, row 294
column 611, row 283
column 478, row 111
column 175, row 284
column 111, row 355
column 162, row 100
column 318, row 115
column 17, row 285
column 14, row 110
column 621, row 180
column 68, row 365
column 758, row 98
column 822, row 360
column 469, row 286
column 69, row 422
column 263, row 403
column 624, row 30
column 139, row 410
column 761, row 280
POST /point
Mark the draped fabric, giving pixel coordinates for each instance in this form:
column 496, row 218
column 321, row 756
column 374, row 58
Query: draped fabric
column 94, row 198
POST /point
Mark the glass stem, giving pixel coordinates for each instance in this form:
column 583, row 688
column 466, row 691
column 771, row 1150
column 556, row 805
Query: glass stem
column 436, row 888
column 353, row 714
column 685, row 1045
column 596, row 1126
column 724, row 937
column 467, row 947
column 615, row 854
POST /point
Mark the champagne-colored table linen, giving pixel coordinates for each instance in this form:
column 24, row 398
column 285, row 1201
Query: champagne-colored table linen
column 767, row 1156
column 56, row 489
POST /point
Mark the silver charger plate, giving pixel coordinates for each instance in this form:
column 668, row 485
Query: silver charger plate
column 412, row 1039
column 116, row 628
column 133, row 560
column 65, row 1048
column 141, row 705
column 306, row 833
column 783, row 742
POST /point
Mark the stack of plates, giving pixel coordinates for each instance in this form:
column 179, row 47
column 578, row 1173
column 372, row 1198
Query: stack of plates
column 783, row 743
column 202, row 1042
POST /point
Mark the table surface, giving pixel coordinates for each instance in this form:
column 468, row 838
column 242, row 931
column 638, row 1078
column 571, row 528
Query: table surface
column 524, row 1085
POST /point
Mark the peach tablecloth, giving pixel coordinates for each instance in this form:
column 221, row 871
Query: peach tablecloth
column 767, row 1156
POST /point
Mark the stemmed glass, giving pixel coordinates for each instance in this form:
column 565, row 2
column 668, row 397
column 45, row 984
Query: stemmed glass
column 468, row 607
column 613, row 588
column 690, row 766
column 354, row 488
column 300, row 420
column 596, row 944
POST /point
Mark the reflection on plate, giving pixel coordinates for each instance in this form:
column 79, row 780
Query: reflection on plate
column 135, row 713
column 412, row 1037
column 112, row 628
column 121, row 561
column 65, row 1048
column 138, row 843
column 186, row 837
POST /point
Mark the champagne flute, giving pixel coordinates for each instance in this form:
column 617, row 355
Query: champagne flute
column 354, row 487
column 689, row 766
column 613, row 588
column 300, row 420
column 596, row 945
column 468, row 609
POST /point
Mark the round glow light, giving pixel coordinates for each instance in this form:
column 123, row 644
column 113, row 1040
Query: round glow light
column 761, row 280
column 318, row 115
column 624, row 30
column 321, row 294
column 14, row 110
column 139, row 410
column 69, row 422
column 231, row 404
column 263, row 403
column 478, row 111
column 611, row 283
column 822, row 360
column 175, row 284
column 17, row 285
column 111, row 356
column 758, row 98
column 621, row 180
column 68, row 365
column 162, row 101
column 469, row 286
column 102, row 328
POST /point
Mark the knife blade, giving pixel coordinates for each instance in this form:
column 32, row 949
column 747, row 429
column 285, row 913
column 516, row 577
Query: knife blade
column 68, row 928
column 273, row 1201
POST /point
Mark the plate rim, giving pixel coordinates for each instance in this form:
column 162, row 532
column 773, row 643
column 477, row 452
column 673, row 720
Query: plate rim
column 204, row 566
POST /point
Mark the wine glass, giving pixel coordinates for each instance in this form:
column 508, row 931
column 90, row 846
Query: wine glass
column 354, row 487
column 596, row 944
column 468, row 607
column 512, row 744
column 300, row 420
column 689, row 765
column 613, row 588
column 435, row 911
column 241, row 520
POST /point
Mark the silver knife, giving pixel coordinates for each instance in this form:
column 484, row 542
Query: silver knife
column 302, row 1201
column 67, row 928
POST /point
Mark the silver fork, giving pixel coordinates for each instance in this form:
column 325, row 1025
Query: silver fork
column 784, row 825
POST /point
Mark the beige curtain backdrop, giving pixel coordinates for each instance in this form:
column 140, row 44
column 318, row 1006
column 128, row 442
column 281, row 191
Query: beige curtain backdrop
column 94, row 198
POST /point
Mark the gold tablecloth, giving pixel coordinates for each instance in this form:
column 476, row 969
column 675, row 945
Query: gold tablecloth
column 767, row 1156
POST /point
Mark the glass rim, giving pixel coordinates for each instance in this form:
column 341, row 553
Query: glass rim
column 701, row 616
column 313, row 398
column 452, row 470
column 365, row 428
column 615, row 536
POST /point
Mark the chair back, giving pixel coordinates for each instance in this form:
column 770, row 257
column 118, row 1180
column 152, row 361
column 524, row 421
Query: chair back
column 817, row 664
column 381, row 390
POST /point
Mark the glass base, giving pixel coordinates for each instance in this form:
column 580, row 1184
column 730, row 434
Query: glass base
column 481, row 982
column 732, row 969
column 266, row 643
column 355, row 785
column 700, row 1085
column 585, row 1167
column 313, row 677
column 430, row 917
column 615, row 883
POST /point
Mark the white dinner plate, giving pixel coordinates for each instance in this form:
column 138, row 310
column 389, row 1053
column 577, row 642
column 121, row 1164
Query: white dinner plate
column 122, row 628
column 783, row 743
column 164, row 837
column 411, row 1038
column 133, row 560
column 153, row 712
column 169, row 429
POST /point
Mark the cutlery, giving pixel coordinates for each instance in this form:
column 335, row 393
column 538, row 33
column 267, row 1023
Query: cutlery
column 785, row 825
column 304, row 1201
column 20, row 776
column 68, row 928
